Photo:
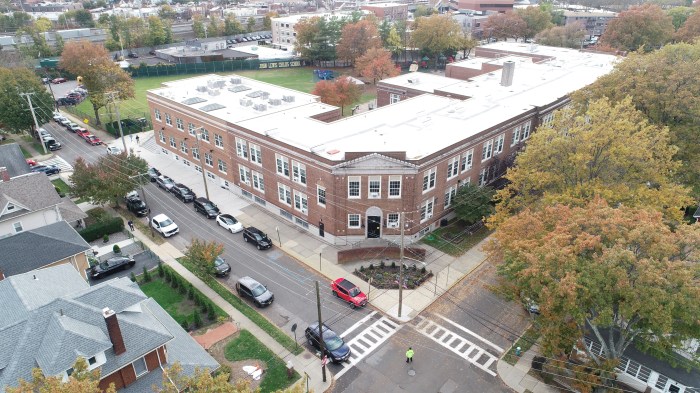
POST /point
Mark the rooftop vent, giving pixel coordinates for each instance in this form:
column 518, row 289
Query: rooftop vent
column 260, row 107
column 288, row 98
column 235, row 81
column 413, row 80
column 212, row 107
column 507, row 73
column 202, row 88
column 238, row 88
column 216, row 83
column 194, row 100
column 275, row 101
column 254, row 94
column 265, row 95
column 246, row 102
column 214, row 92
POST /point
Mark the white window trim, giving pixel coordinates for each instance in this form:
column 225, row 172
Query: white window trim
column 468, row 159
column 318, row 196
column 427, row 208
column 244, row 174
column 259, row 180
column 15, row 224
column 303, row 200
column 430, row 175
column 284, row 167
column 392, row 223
column 219, row 140
column 370, row 193
column 498, row 145
column 299, row 169
column 209, row 159
column 242, row 148
column 255, row 154
column 487, row 150
column 354, row 179
column 359, row 221
column 168, row 119
column 395, row 178
column 394, row 98
column 220, row 163
column 157, row 115
column 453, row 167
column 287, row 193
column 179, row 124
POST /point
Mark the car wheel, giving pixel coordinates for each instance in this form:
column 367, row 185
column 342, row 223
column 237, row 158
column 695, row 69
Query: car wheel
column 352, row 305
column 238, row 291
column 230, row 230
column 259, row 248
column 245, row 239
column 334, row 293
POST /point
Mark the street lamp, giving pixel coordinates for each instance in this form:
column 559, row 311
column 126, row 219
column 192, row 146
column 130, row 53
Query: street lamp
column 201, row 163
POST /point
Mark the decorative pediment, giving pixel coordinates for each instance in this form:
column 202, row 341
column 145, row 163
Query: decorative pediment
column 375, row 162
column 11, row 206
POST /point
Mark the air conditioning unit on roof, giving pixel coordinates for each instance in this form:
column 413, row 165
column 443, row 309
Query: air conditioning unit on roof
column 235, row 81
column 202, row 88
column 275, row 101
column 214, row 92
column 288, row 98
column 265, row 95
column 246, row 102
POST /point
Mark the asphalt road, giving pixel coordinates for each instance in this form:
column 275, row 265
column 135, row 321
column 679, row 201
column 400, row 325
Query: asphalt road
column 142, row 259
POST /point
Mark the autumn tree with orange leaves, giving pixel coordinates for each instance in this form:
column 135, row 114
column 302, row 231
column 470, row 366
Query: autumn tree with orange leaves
column 376, row 64
column 340, row 92
column 504, row 26
column 645, row 26
column 358, row 38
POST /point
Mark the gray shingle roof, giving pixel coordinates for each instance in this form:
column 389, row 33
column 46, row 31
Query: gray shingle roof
column 56, row 332
column 39, row 247
column 70, row 211
column 11, row 157
column 33, row 191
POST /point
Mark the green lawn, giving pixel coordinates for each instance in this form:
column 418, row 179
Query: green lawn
column 458, row 246
column 246, row 346
column 61, row 185
column 35, row 144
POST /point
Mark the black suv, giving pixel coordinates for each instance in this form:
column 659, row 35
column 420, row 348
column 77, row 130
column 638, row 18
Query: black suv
column 206, row 207
column 183, row 193
column 153, row 174
column 137, row 206
column 112, row 265
column 335, row 348
column 247, row 287
column 258, row 237
column 221, row 268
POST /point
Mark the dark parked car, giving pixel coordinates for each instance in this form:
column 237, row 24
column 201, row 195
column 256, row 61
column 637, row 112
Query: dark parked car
column 206, row 207
column 221, row 268
column 334, row 346
column 112, row 265
column 133, row 55
column 51, row 144
column 48, row 169
column 257, row 237
column 137, row 206
column 59, row 80
column 183, row 193
column 261, row 296
column 153, row 174
column 165, row 182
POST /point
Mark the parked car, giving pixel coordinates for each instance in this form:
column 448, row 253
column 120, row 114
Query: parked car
column 335, row 348
column 93, row 140
column 153, row 174
column 83, row 133
column 229, row 223
column 221, row 268
column 247, row 287
column 52, row 144
column 164, row 225
column 47, row 169
column 111, row 266
column 46, row 81
column 133, row 55
column 165, row 182
column 64, row 121
column 31, row 162
column 349, row 292
column 43, row 134
column 114, row 150
column 152, row 53
column 59, row 80
column 257, row 237
column 73, row 127
column 183, row 193
column 57, row 117
column 137, row 206
column 206, row 207
column 531, row 306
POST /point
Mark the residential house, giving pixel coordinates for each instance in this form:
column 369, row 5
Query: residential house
column 13, row 161
column 387, row 11
column 43, row 247
column 50, row 317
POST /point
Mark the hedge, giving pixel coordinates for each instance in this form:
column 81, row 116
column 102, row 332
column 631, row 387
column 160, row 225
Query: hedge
column 99, row 229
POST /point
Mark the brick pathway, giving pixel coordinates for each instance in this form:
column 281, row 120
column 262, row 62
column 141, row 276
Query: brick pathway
column 215, row 335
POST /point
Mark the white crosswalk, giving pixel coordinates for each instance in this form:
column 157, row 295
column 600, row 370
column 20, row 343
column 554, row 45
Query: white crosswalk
column 368, row 340
column 464, row 348
column 59, row 162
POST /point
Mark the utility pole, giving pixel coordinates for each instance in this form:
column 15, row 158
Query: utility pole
column 401, row 265
column 111, row 95
column 143, row 193
column 320, row 333
column 36, row 123
column 201, row 163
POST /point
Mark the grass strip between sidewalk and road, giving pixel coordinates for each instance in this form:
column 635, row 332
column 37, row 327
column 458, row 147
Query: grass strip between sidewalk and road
column 246, row 346
column 61, row 185
column 525, row 342
column 257, row 318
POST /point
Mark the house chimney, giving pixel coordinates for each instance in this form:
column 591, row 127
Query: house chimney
column 115, row 334
column 507, row 73
column 2, row 275
column 4, row 174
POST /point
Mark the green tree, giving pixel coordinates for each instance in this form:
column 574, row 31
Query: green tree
column 690, row 30
column 436, row 35
column 59, row 45
column 556, row 15
column 679, row 15
column 606, row 149
column 15, row 114
column 167, row 12
column 645, row 26
column 422, row 11
column 232, row 26
column 384, row 30
column 157, row 31
column 43, row 25
column 466, row 43
column 108, row 179
column 620, row 275
column 250, row 24
column 202, row 254
column 473, row 203
column 394, row 43
column 198, row 26
column 80, row 381
column 536, row 19
column 569, row 36
column 504, row 26
column 215, row 27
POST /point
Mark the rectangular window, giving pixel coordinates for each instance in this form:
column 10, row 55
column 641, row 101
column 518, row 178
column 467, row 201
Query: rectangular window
column 516, row 136
column 450, row 196
column 465, row 182
column 195, row 153
column 321, row 195
column 219, row 140
column 453, row 167
column 426, row 210
column 282, row 165
column 353, row 220
column 301, row 202
column 487, row 150
column 205, row 135
column 429, row 180
column 498, row 146
column 208, row 159
column 375, row 187
column 258, row 182
column 168, row 120
column 284, row 193
column 183, row 147
column 18, row 227
column 190, row 128
column 222, row 165
column 483, row 176
column 467, row 160
column 172, row 142
column 156, row 113
column 394, row 186
column 161, row 136
column 392, row 220
column 394, row 98
column 353, row 186
column 179, row 124
column 299, row 172
column 242, row 148
column 546, row 119
column 255, row 154
column 244, row 174
column 140, row 367
column 526, row 131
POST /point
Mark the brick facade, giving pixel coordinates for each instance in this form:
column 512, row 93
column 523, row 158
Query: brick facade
column 126, row 375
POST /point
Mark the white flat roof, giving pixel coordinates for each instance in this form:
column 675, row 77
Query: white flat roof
column 296, row 18
column 384, row 5
column 420, row 126
column 264, row 52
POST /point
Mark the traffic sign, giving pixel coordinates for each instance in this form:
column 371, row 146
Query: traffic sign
column 324, row 361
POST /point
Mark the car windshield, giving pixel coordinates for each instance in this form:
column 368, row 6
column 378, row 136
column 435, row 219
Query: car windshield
column 258, row 290
column 218, row 261
column 230, row 220
column 140, row 204
column 104, row 265
column 257, row 237
column 333, row 342
column 166, row 222
column 355, row 291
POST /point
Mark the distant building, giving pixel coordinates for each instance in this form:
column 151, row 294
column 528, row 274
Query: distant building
column 595, row 21
column 283, row 32
column 500, row 6
column 387, row 11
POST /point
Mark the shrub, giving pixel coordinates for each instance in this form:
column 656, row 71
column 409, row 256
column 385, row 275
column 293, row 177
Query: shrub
column 185, row 325
column 115, row 248
column 190, row 292
column 93, row 261
column 102, row 228
column 382, row 264
column 161, row 269
column 183, row 286
column 211, row 314
column 168, row 275
column 197, row 319
column 224, row 369
column 105, row 238
column 197, row 299
column 205, row 306
column 371, row 266
column 362, row 268
column 393, row 264
column 146, row 275
column 422, row 270
column 175, row 281
column 133, row 277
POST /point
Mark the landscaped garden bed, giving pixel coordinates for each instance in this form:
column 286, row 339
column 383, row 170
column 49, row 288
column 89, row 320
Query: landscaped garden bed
column 386, row 275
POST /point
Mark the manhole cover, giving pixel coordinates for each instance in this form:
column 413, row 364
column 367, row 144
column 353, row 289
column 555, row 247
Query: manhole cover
column 412, row 373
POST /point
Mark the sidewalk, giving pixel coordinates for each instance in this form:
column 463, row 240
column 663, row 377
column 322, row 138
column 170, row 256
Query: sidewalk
column 517, row 378
column 304, row 363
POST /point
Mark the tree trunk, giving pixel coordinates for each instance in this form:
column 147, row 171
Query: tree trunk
column 97, row 115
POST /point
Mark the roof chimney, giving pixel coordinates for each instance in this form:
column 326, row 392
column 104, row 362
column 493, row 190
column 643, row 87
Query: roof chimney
column 4, row 174
column 115, row 334
column 2, row 275
column 507, row 73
